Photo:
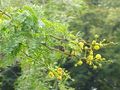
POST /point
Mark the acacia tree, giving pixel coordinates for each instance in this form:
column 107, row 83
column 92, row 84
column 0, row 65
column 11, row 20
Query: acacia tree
column 46, row 51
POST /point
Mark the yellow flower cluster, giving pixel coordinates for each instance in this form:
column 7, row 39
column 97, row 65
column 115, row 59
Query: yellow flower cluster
column 81, row 44
column 57, row 73
column 51, row 74
column 88, row 51
column 77, row 47
column 91, row 58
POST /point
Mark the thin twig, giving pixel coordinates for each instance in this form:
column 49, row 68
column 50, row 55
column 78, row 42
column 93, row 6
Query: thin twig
column 5, row 13
column 51, row 48
column 56, row 37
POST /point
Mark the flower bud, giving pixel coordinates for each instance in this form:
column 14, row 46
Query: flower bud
column 59, row 78
column 98, row 56
column 51, row 74
column 90, row 57
column 81, row 44
column 94, row 67
column 79, row 62
column 96, row 47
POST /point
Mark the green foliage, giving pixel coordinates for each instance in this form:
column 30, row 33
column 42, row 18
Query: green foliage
column 35, row 43
column 41, row 46
column 26, row 39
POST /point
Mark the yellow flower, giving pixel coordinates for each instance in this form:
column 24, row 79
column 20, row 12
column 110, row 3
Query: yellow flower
column 98, row 57
column 96, row 47
column 81, row 45
column 90, row 57
column 51, row 74
column 59, row 78
column 93, row 42
column 89, row 62
column 91, row 52
column 79, row 62
column 60, row 71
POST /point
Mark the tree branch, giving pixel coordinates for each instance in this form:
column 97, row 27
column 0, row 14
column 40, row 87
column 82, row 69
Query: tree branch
column 5, row 13
column 51, row 48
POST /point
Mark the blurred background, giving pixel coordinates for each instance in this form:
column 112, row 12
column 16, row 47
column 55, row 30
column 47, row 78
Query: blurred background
column 89, row 17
